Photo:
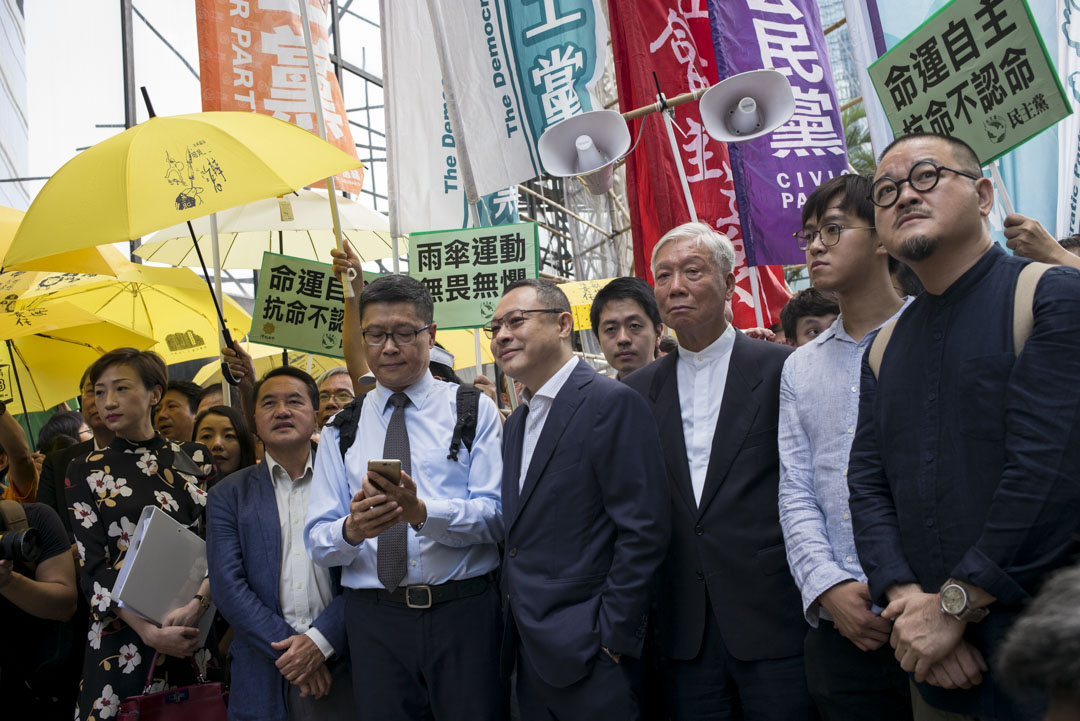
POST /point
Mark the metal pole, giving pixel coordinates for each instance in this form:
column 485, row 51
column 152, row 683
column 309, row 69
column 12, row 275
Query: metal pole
column 127, row 53
column 226, row 394
column 668, row 123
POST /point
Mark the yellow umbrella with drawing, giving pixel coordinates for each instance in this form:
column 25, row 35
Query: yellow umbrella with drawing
column 170, row 305
column 45, row 351
column 100, row 261
column 580, row 293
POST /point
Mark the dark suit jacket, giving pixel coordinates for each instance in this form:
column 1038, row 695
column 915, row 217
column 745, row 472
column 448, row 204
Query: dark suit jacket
column 730, row 546
column 586, row 533
column 51, row 481
column 243, row 546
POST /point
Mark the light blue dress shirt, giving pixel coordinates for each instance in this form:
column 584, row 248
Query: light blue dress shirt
column 463, row 497
column 819, row 409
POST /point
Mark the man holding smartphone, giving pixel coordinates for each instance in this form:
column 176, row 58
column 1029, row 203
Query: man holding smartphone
column 417, row 552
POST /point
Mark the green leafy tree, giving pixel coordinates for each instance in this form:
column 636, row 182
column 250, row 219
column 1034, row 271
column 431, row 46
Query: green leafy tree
column 857, row 136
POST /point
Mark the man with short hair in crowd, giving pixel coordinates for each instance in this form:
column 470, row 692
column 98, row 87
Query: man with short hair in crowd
column 587, row 517
column 335, row 391
column 963, row 471
column 288, row 615
column 806, row 315
column 174, row 417
column 729, row 627
column 850, row 669
column 627, row 324
column 417, row 557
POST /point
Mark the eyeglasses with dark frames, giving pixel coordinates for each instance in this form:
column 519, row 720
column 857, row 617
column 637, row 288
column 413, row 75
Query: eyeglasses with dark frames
column 513, row 320
column 340, row 397
column 924, row 177
column 829, row 234
column 377, row 338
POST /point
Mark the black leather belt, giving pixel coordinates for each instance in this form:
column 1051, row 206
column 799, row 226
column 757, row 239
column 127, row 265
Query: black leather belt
column 426, row 596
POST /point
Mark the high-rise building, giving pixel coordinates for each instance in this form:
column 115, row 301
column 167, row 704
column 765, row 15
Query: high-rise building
column 841, row 56
column 14, row 139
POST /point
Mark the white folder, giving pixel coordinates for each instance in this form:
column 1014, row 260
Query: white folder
column 164, row 567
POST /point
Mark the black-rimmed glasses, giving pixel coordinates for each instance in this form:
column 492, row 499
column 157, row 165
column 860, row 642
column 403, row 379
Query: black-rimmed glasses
column 924, row 176
column 829, row 234
column 513, row 320
column 401, row 337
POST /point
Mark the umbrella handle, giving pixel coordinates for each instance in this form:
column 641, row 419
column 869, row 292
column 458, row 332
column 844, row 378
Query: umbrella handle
column 225, row 372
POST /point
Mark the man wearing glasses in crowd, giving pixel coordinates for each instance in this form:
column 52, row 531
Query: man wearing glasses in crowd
column 335, row 392
column 421, row 613
column 963, row 471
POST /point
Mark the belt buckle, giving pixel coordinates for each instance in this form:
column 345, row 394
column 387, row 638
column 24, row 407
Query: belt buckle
column 409, row 596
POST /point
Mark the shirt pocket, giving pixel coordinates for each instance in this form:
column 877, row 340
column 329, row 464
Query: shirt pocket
column 441, row 477
column 982, row 384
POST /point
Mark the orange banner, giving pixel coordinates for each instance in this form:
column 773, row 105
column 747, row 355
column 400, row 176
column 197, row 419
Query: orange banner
column 252, row 57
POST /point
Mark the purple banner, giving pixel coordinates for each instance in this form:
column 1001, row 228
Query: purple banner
column 775, row 173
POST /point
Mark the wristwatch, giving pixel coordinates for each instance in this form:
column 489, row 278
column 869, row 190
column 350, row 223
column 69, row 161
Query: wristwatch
column 955, row 602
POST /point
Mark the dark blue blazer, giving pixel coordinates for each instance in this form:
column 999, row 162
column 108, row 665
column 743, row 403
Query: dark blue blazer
column 243, row 546
column 588, row 530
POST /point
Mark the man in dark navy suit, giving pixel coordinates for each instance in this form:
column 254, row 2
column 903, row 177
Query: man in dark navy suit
column 585, row 508
column 729, row 617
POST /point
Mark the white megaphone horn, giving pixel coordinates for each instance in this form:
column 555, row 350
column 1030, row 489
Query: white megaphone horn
column 747, row 106
column 586, row 147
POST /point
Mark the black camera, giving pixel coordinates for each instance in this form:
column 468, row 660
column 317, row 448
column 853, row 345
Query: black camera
column 20, row 546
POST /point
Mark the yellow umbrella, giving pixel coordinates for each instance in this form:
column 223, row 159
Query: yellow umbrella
column 296, row 225
column 46, row 350
column 170, row 305
column 100, row 261
column 462, row 345
column 581, row 294
column 266, row 357
column 168, row 170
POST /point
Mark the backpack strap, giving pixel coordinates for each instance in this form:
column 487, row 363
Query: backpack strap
column 1023, row 303
column 468, row 407
column 877, row 347
column 347, row 421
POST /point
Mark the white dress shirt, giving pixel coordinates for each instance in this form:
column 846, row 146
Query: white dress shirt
column 304, row 588
column 702, row 377
column 539, row 404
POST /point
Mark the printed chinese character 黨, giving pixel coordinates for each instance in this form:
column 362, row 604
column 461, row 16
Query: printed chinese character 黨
column 810, row 129
column 281, row 278
column 677, row 34
column 552, row 21
column 290, row 88
column 554, row 76
column 988, row 87
column 994, row 21
column 780, row 45
column 1039, row 101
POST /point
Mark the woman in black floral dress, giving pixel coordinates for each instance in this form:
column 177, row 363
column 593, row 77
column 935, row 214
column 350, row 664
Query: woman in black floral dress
column 106, row 493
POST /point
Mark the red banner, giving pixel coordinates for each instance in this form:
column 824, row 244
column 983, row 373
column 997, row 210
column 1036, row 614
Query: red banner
column 672, row 38
column 252, row 57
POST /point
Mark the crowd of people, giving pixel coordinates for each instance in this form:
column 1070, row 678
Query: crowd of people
column 868, row 511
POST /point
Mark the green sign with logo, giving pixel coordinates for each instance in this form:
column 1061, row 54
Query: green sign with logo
column 466, row 270
column 977, row 71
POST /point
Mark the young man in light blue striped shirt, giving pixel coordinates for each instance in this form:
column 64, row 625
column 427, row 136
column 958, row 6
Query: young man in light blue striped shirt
column 850, row 667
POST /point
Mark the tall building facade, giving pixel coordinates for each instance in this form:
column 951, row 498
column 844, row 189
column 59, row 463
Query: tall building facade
column 840, row 54
column 14, row 138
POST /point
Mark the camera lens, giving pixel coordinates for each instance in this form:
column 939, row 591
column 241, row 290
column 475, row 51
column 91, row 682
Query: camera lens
column 20, row 546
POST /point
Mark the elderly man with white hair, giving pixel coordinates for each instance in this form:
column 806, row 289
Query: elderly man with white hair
column 729, row 617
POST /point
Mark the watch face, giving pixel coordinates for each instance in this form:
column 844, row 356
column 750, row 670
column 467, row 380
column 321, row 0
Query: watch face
column 953, row 599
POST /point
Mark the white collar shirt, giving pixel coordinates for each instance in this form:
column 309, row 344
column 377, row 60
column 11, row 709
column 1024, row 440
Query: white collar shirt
column 539, row 404
column 304, row 588
column 702, row 377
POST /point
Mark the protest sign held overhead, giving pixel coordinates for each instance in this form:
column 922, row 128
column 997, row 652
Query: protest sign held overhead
column 299, row 304
column 467, row 270
column 976, row 71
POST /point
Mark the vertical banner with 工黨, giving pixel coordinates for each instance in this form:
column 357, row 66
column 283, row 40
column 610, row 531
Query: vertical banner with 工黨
column 672, row 39
column 299, row 305
column 512, row 69
column 774, row 174
column 424, row 167
column 976, row 72
column 467, row 270
column 252, row 58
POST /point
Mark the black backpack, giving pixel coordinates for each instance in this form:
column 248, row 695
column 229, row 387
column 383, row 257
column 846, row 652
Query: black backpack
column 347, row 420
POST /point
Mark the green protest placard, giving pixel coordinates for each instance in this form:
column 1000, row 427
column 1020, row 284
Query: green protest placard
column 299, row 304
column 978, row 71
column 466, row 270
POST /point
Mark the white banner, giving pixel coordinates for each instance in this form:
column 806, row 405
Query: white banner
column 427, row 191
column 1068, row 67
column 511, row 69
